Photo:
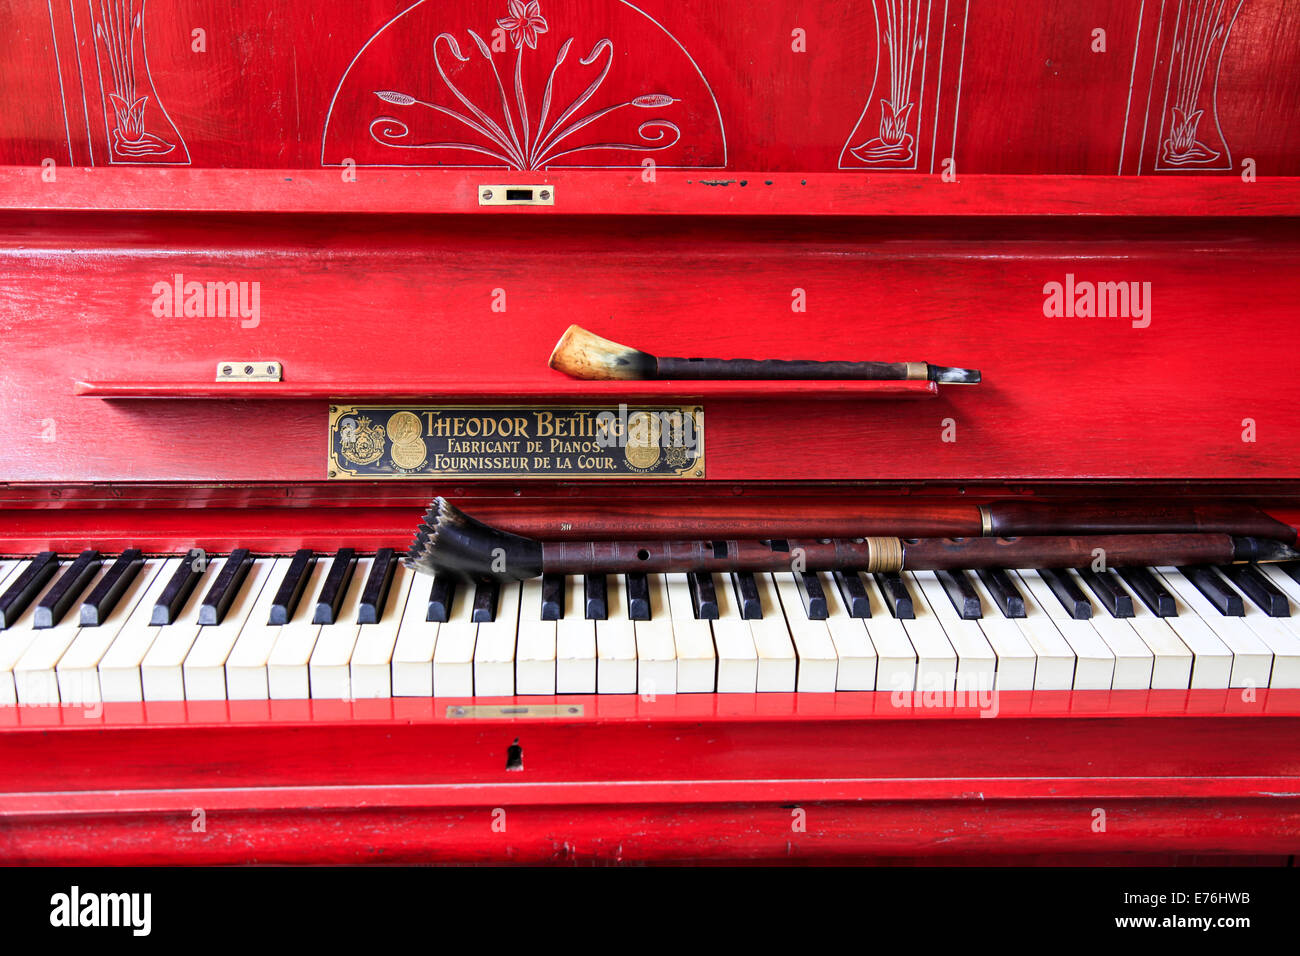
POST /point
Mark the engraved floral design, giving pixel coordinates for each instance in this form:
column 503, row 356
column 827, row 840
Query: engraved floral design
column 524, row 23
column 118, row 32
column 1201, row 30
column 903, row 40
column 516, row 130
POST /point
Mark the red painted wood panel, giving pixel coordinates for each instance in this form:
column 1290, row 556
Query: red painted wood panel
column 709, row 776
column 349, row 298
column 790, row 86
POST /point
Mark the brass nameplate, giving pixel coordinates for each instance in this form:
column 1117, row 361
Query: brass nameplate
column 512, row 711
column 516, row 441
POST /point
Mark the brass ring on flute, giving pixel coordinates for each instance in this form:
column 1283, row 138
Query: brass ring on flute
column 986, row 521
column 917, row 371
column 884, row 554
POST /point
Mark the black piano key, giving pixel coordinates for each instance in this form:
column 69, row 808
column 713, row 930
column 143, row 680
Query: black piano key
column 638, row 596
column 1216, row 590
column 746, row 588
column 24, row 590
column 72, row 582
column 1004, row 591
column 897, row 598
column 486, row 593
column 1292, row 568
column 375, row 594
column 595, row 605
column 1070, row 595
column 854, row 593
column 222, row 593
column 171, row 602
column 335, row 587
column 1112, row 595
column 704, row 596
column 552, row 597
column 441, row 593
column 812, row 595
column 1263, row 592
column 289, row 593
column 961, row 593
column 101, row 601
column 1152, row 592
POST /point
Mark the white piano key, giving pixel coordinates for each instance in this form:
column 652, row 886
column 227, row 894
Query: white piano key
column 1016, row 659
column 329, row 669
column 34, row 672
column 936, row 661
column 697, row 662
column 734, row 641
column 896, row 657
column 1211, row 658
column 535, row 654
column 162, row 670
column 7, row 568
column 417, row 637
column 494, row 649
column 453, row 655
column 1252, row 660
column 817, row 663
column 245, row 666
column 15, row 639
column 204, row 670
column 777, row 664
column 78, row 670
column 288, row 675
column 976, row 662
column 855, row 654
column 575, row 643
column 1174, row 665
column 656, row 646
column 1054, row 668
column 616, row 643
column 372, row 658
column 1284, row 583
column 120, row 676
column 1278, row 637
column 1291, row 589
column 1107, row 652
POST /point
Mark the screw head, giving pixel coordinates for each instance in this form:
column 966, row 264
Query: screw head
column 270, row 370
column 545, row 194
column 248, row 370
column 226, row 370
column 487, row 194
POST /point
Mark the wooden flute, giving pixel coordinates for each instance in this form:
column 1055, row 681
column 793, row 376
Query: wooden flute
column 450, row 541
column 760, row 517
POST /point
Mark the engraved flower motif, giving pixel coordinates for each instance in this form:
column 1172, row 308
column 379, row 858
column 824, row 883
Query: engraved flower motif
column 524, row 23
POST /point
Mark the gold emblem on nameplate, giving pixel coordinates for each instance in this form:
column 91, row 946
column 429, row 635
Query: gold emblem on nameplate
column 407, row 437
column 359, row 441
column 642, row 447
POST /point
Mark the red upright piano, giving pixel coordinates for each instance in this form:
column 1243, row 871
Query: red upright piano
column 238, row 240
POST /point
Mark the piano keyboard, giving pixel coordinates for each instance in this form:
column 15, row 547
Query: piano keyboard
column 130, row 627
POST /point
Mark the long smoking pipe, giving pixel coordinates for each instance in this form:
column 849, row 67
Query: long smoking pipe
column 450, row 541
column 583, row 354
